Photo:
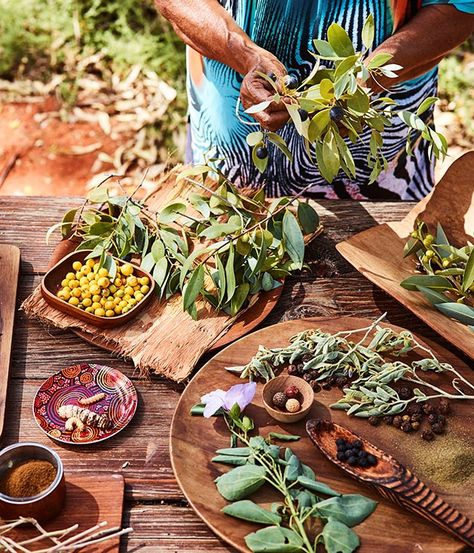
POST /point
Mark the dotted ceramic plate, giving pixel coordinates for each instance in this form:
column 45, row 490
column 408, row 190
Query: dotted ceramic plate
column 70, row 385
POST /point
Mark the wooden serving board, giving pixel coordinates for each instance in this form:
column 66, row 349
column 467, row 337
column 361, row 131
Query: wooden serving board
column 10, row 265
column 90, row 499
column 390, row 529
column 377, row 253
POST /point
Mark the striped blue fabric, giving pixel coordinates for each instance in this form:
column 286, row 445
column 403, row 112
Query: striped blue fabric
column 287, row 28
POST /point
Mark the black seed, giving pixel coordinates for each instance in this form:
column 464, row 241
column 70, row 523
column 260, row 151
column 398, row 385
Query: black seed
column 262, row 152
column 417, row 417
column 362, row 454
column 397, row 421
column 316, row 387
column 427, row 435
column 357, row 444
column 307, row 377
column 432, row 418
column 444, row 407
column 341, row 457
column 428, row 409
column 336, row 113
column 291, row 81
column 405, row 393
column 437, row 428
column 388, row 419
column 292, row 370
column 406, row 427
column 303, row 114
column 340, row 441
column 441, row 419
column 364, row 463
column 327, row 386
column 374, row 421
column 352, row 460
column 371, row 460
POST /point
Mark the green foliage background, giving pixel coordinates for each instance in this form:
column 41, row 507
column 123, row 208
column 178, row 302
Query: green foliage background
column 42, row 37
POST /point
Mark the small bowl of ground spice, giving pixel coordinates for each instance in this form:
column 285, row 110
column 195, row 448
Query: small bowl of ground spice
column 31, row 482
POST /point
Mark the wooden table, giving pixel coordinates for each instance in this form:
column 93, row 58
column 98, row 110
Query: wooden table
column 155, row 506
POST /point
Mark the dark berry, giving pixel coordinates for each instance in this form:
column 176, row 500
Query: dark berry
column 341, row 381
column 327, row 386
column 404, row 393
column 374, row 421
column 417, row 417
column 340, row 441
column 437, row 428
column 291, row 81
column 357, row 444
column 406, row 427
column 432, row 418
column 352, row 460
column 272, row 76
column 314, row 374
column 427, row 435
column 303, row 114
column 350, row 452
column 292, row 392
column 293, row 370
column 314, row 384
column 336, row 114
column 362, row 454
column 428, row 409
column 364, row 463
column 340, row 456
column 415, row 409
column 444, row 407
column 397, row 421
column 307, row 377
column 441, row 419
column 262, row 152
column 388, row 419
column 306, row 357
column 371, row 460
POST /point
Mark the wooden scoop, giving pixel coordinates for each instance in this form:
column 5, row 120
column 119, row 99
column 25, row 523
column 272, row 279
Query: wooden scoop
column 392, row 480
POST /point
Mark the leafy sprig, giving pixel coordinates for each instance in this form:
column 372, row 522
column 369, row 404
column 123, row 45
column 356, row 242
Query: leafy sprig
column 304, row 498
column 371, row 391
column 335, row 102
column 219, row 244
column 446, row 276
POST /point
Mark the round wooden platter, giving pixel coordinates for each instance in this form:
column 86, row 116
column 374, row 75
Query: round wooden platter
column 194, row 441
column 249, row 320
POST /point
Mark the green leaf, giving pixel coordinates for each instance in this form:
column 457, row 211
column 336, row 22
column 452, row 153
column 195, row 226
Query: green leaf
column 293, row 239
column 324, row 48
column 235, row 461
column 412, row 246
column 239, row 297
column 66, row 224
column 339, row 538
column 157, row 250
column 326, row 89
column 230, row 274
column 427, row 281
column 193, row 287
column 368, row 31
column 468, row 278
column 260, row 164
column 433, row 296
column 267, row 282
column 110, row 265
column 257, row 108
column 459, row 311
column 160, row 271
column 274, row 540
column 221, row 229
column 317, row 487
column 248, row 510
column 147, row 262
column 349, row 509
column 170, row 213
column 359, row 102
column 254, row 138
column 378, row 60
column 426, row 104
column 308, row 218
column 340, row 41
column 241, row 482
column 194, row 171
column 98, row 195
column 283, row 437
column 279, row 142
column 345, row 65
column 318, row 124
column 240, row 451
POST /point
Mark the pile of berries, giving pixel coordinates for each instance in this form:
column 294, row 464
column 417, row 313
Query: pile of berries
column 92, row 289
column 289, row 400
column 353, row 454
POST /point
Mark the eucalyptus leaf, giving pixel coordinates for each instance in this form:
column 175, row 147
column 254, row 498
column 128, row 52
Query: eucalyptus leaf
column 459, row 311
column 293, row 238
column 468, row 278
column 193, row 287
column 427, row 281
column 308, row 218
column 248, row 510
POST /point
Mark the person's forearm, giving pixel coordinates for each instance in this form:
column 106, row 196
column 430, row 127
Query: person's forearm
column 420, row 44
column 208, row 28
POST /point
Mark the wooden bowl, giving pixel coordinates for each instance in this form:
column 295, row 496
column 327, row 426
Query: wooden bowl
column 51, row 284
column 280, row 384
column 43, row 506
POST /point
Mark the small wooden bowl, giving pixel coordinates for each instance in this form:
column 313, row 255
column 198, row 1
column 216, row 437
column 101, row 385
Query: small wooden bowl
column 280, row 384
column 51, row 284
column 48, row 503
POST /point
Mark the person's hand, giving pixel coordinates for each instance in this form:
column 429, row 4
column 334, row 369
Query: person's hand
column 256, row 89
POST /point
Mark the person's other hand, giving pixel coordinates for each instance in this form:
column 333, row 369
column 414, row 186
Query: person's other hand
column 256, row 89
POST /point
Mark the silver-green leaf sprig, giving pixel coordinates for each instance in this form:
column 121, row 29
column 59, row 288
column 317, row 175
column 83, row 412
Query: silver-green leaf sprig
column 287, row 525
column 446, row 273
column 220, row 245
column 371, row 391
column 335, row 102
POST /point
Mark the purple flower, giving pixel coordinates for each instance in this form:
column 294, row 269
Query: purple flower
column 242, row 394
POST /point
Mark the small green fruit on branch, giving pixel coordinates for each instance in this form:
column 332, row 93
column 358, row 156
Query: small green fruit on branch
column 333, row 103
column 445, row 273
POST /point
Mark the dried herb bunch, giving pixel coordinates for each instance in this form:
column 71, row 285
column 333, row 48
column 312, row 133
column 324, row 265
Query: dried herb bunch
column 292, row 524
column 447, row 273
column 336, row 102
column 371, row 389
column 67, row 539
column 220, row 245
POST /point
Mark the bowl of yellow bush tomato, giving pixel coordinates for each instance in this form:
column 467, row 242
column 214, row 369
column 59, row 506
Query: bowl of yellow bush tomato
column 83, row 289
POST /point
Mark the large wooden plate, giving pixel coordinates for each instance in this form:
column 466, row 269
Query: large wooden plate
column 378, row 252
column 390, row 529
